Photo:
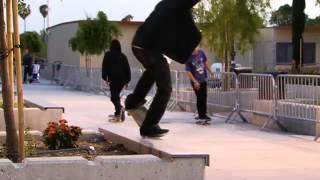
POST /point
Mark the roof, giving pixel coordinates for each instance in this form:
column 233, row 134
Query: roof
column 117, row 22
column 308, row 27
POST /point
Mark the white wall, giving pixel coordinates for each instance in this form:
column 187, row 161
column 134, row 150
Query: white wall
column 58, row 44
column 131, row 167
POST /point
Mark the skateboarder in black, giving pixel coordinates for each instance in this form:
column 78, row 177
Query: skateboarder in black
column 169, row 30
column 116, row 72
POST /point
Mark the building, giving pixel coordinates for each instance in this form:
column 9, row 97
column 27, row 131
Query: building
column 59, row 50
column 273, row 49
column 271, row 52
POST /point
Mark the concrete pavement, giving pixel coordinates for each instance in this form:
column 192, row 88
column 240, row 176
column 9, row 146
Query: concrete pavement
column 237, row 151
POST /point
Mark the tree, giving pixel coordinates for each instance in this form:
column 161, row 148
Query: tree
column 298, row 23
column 32, row 41
column 128, row 17
column 44, row 11
column 230, row 24
column 94, row 36
column 316, row 20
column 24, row 11
column 282, row 16
column 11, row 131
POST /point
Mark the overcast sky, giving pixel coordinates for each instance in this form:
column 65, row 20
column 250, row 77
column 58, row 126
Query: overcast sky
column 70, row 10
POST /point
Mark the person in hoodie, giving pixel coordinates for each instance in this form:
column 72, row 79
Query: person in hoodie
column 169, row 30
column 116, row 72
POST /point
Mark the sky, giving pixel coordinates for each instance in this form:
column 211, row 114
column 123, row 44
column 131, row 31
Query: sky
column 61, row 11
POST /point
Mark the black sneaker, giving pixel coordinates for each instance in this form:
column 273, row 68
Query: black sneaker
column 122, row 115
column 115, row 119
column 205, row 117
column 155, row 132
column 132, row 103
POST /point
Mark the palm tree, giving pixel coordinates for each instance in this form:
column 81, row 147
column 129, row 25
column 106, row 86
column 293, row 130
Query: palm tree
column 24, row 11
column 298, row 24
column 94, row 37
column 128, row 17
column 44, row 11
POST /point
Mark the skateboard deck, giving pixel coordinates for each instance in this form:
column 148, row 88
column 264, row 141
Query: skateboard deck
column 203, row 122
column 114, row 119
column 138, row 114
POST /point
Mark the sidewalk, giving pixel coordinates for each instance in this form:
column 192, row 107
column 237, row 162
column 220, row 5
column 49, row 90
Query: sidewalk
column 237, row 151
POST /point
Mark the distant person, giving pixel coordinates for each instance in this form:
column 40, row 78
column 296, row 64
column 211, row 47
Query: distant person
column 35, row 72
column 116, row 72
column 169, row 30
column 27, row 65
column 197, row 68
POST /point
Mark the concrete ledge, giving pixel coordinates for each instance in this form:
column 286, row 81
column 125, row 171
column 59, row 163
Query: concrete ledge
column 133, row 167
column 34, row 118
column 134, row 142
column 41, row 104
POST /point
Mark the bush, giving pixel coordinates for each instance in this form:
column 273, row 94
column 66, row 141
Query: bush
column 60, row 135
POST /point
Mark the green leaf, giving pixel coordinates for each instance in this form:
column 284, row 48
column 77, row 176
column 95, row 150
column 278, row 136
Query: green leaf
column 94, row 35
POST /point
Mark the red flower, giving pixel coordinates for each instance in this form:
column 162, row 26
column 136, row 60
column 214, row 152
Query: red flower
column 63, row 121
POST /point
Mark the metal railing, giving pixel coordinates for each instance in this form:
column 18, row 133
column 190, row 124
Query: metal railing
column 287, row 96
column 299, row 99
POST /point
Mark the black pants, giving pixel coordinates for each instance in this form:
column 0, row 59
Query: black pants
column 201, row 99
column 115, row 89
column 156, row 71
column 26, row 72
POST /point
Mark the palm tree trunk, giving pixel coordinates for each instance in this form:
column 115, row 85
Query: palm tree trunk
column 298, row 22
column 24, row 25
column 7, row 95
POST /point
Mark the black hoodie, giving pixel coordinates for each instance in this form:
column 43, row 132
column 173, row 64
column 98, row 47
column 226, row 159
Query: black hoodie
column 115, row 66
column 170, row 29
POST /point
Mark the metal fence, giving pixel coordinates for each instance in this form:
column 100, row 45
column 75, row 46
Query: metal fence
column 298, row 99
column 75, row 77
column 293, row 97
column 257, row 95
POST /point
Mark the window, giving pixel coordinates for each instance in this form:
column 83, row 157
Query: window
column 284, row 53
column 309, row 56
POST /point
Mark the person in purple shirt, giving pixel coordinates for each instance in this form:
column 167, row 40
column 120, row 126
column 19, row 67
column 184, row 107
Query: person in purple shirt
column 196, row 68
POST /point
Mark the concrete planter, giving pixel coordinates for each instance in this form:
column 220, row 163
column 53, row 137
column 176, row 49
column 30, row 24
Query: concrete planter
column 34, row 118
column 133, row 167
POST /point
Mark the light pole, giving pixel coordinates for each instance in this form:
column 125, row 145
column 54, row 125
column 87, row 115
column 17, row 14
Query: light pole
column 48, row 13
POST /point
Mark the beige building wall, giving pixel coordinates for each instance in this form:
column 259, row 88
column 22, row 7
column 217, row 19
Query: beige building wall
column 127, row 30
column 58, row 44
column 262, row 57
column 58, row 48
column 264, row 51
column 311, row 34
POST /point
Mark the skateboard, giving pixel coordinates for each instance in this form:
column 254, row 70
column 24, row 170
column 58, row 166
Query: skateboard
column 114, row 119
column 203, row 121
column 111, row 116
column 138, row 114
